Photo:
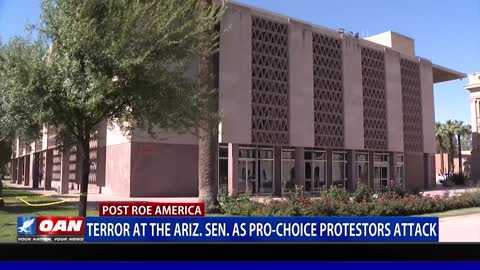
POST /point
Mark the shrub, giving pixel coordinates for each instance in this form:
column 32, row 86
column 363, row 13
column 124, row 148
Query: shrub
column 334, row 202
column 241, row 206
column 448, row 183
column 457, row 179
column 363, row 193
column 336, row 193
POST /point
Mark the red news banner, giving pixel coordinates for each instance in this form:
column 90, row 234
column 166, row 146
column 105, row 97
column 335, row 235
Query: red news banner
column 150, row 209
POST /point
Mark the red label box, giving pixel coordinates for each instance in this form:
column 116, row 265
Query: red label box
column 150, row 209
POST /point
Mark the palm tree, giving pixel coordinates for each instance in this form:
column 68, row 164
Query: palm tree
column 440, row 136
column 461, row 130
column 450, row 130
column 208, row 130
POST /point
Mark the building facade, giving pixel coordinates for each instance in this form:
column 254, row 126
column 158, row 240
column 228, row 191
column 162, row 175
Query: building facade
column 301, row 106
column 473, row 87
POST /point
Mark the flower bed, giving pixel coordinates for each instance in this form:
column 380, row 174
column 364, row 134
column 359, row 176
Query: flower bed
column 337, row 202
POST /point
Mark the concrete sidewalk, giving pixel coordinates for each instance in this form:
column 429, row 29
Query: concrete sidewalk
column 95, row 197
column 439, row 190
column 464, row 228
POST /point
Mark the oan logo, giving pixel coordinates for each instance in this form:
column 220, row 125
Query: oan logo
column 60, row 226
column 26, row 225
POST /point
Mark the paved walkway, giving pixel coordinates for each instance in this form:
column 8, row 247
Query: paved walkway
column 464, row 228
column 95, row 197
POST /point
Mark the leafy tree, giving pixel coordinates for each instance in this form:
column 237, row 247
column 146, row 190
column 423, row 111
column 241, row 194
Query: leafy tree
column 5, row 155
column 21, row 73
column 124, row 61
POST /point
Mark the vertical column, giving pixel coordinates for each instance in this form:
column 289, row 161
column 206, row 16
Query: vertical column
column 35, row 169
column 393, row 91
column 371, row 169
column 45, row 138
column 233, row 169
column 235, row 80
column 20, row 170
column 78, row 167
column 48, row 169
column 429, row 169
column 17, row 147
column 428, row 112
column 393, row 167
column 277, row 165
column 329, row 181
column 14, row 170
column 26, row 170
column 300, row 63
column 415, row 171
column 65, row 170
column 352, row 170
column 300, row 167
column 31, row 172
column 352, row 93
column 475, row 154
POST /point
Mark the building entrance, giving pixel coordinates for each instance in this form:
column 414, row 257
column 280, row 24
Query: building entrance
column 381, row 171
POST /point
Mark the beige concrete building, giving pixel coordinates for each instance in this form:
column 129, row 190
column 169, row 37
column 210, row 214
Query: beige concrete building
column 473, row 87
column 301, row 105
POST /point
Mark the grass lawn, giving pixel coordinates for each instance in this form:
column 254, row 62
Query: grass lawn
column 456, row 212
column 14, row 208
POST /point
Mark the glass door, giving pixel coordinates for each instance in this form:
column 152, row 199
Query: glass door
column 242, row 179
column 252, row 185
column 381, row 176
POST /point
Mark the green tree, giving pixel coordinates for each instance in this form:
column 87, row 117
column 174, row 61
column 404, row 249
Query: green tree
column 450, row 127
column 440, row 137
column 461, row 130
column 5, row 155
column 21, row 73
column 124, row 61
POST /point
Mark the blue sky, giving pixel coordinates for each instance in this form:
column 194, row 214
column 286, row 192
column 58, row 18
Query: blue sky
column 446, row 32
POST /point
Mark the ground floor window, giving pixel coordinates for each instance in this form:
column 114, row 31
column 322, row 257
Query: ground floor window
column 288, row 171
column 381, row 176
column 315, row 170
column 265, row 170
column 400, row 171
column 222, row 170
column 256, row 170
column 339, row 169
column 362, row 170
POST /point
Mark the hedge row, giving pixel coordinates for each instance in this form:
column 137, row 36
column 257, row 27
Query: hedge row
column 336, row 202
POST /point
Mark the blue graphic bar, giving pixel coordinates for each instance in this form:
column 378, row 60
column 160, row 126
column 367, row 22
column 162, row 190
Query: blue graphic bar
column 261, row 229
column 241, row 265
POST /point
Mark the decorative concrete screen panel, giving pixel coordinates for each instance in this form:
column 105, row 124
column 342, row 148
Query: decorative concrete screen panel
column 269, row 82
column 328, row 91
column 92, row 177
column 412, row 106
column 57, row 165
column 72, row 167
column 374, row 99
